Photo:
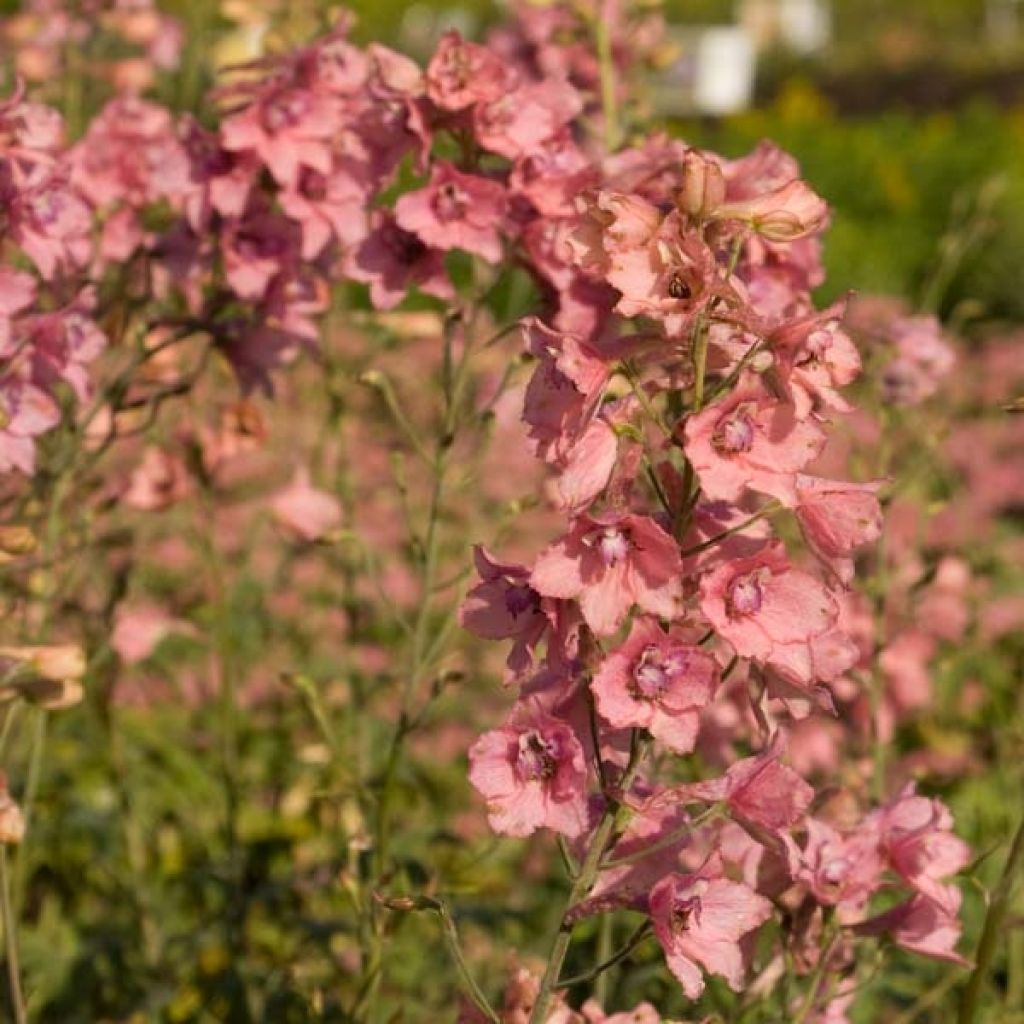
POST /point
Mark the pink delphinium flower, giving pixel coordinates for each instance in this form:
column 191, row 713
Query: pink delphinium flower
column 658, row 682
column 610, row 564
column 462, row 73
column 519, row 122
column 391, row 261
column 767, row 610
column 750, row 440
column 839, row 869
column 836, row 518
column 923, row 359
column 917, row 840
column 699, row 920
column 503, row 606
column 456, row 211
column 921, row 926
column 784, row 214
column 532, row 773
column 759, row 790
column 26, row 411
column 304, row 512
column 159, row 481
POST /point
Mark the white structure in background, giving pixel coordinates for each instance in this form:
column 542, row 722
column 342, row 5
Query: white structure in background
column 801, row 25
column 726, row 62
column 712, row 73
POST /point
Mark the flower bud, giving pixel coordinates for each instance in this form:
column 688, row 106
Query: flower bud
column 15, row 541
column 782, row 215
column 703, row 190
column 12, row 821
column 55, row 662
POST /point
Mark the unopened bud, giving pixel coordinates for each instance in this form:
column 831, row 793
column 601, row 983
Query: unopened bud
column 15, row 541
column 703, row 190
column 12, row 821
column 55, row 662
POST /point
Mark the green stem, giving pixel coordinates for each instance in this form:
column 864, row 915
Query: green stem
column 638, row 936
column 11, row 942
column 612, row 822
column 997, row 910
column 609, row 105
column 33, row 778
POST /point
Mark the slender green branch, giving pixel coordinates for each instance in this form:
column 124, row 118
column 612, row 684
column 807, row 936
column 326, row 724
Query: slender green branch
column 11, row 941
column 990, row 934
column 642, row 933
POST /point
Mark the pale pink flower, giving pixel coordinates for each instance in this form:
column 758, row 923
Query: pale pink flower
column 456, row 211
column 699, row 920
column 519, row 122
column 159, row 481
column 924, row 358
column 921, row 926
column 610, row 564
column 326, row 206
column 139, row 629
column 304, row 512
column 656, row 681
column 532, row 773
column 750, row 440
column 840, row 870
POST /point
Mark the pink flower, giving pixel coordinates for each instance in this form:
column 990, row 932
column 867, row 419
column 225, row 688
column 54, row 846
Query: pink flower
column 923, row 360
column 838, row 869
column 657, row 682
column 759, row 790
column 288, row 127
column 836, row 518
column 699, row 920
column 456, row 211
column 784, row 214
column 461, row 74
column 305, row 513
column 519, row 122
column 159, row 481
column 391, row 261
column 505, row 606
column 750, row 440
column 532, row 773
column 257, row 248
column 139, row 629
column 25, row 412
column 917, row 840
column 610, row 564
column 921, row 926
column 768, row 610
column 325, row 207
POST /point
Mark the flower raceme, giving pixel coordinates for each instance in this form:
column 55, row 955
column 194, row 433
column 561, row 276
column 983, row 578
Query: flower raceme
column 682, row 393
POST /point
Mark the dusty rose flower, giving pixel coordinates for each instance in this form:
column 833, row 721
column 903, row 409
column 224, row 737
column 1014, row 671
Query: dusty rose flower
column 139, row 629
column 839, row 869
column 699, row 920
column 56, row 662
column 703, row 190
column 750, row 440
column 305, row 513
column 519, row 122
column 159, row 481
column 532, row 773
column 610, row 564
column 455, row 211
column 658, row 682
column 921, row 926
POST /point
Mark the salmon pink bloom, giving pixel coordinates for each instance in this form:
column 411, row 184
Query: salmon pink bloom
column 699, row 920
column 456, row 211
column 749, row 440
column 768, row 611
column 610, row 564
column 532, row 773
column 325, row 207
column 836, row 518
column 26, row 411
column 658, row 682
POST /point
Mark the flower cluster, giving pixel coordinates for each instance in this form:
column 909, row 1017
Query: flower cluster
column 683, row 390
column 48, row 336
